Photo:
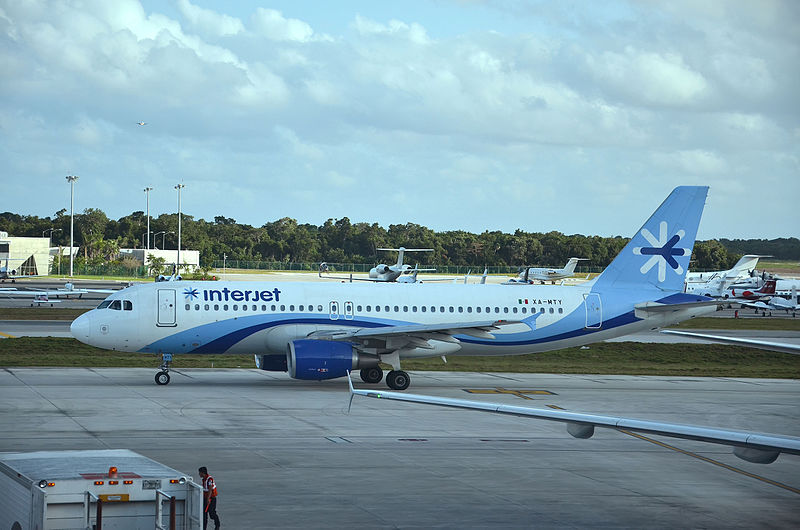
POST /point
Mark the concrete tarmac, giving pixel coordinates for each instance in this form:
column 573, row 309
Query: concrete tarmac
column 286, row 454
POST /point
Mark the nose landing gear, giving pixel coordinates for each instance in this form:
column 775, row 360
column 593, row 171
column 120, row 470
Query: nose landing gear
column 162, row 377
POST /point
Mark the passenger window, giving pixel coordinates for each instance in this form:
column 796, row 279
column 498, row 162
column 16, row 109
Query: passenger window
column 524, row 309
column 205, row 307
column 423, row 308
column 235, row 307
column 496, row 309
column 115, row 305
column 301, row 307
column 187, row 307
column 552, row 311
column 560, row 310
column 197, row 307
column 369, row 308
column 460, row 309
column 104, row 304
column 377, row 309
column 413, row 309
column 264, row 307
column 433, row 309
column 452, row 309
column 225, row 307
column 358, row 308
column 405, row 309
column 291, row 307
column 319, row 308
column 244, row 307
column 441, row 309
column 513, row 309
column 478, row 309
column 255, row 307
column 127, row 305
column 386, row 308
column 216, row 307
column 273, row 307
column 488, row 309
column 505, row 310
column 541, row 310
column 283, row 307
column 469, row 309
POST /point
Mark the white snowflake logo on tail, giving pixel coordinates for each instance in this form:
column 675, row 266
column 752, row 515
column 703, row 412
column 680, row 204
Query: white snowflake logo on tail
column 662, row 251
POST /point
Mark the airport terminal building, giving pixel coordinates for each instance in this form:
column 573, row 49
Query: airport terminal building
column 25, row 255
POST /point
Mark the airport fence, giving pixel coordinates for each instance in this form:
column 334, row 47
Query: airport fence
column 365, row 267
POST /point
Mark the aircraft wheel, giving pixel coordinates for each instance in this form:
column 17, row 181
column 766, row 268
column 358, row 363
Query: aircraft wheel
column 398, row 380
column 162, row 378
column 371, row 375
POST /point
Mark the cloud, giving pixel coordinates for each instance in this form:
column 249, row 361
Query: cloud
column 208, row 21
column 272, row 24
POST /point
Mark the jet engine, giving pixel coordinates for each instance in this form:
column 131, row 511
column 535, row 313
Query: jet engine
column 376, row 271
column 324, row 359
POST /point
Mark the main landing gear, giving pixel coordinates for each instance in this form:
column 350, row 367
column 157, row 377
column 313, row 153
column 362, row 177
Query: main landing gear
column 395, row 379
column 162, row 377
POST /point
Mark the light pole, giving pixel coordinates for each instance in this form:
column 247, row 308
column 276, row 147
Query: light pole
column 179, row 187
column 71, row 179
column 147, row 194
column 50, row 235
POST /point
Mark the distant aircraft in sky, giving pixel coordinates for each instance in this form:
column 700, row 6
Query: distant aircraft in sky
column 399, row 272
column 321, row 330
column 140, row 123
column 543, row 274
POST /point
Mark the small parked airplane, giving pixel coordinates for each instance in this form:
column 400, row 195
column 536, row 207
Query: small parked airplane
column 7, row 273
column 777, row 303
column 543, row 274
column 323, row 330
column 68, row 290
column 399, row 272
column 738, row 295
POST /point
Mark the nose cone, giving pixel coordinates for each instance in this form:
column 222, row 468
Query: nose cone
column 81, row 328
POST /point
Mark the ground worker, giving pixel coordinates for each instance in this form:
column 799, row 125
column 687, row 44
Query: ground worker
column 209, row 498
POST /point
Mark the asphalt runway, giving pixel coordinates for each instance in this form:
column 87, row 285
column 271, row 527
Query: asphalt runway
column 286, row 454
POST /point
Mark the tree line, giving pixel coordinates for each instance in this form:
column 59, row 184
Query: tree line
column 340, row 241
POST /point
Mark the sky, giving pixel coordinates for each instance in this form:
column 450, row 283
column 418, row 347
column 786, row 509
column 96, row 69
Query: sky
column 469, row 115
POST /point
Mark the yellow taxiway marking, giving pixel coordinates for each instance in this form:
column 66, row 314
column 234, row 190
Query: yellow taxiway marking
column 7, row 335
column 518, row 393
column 712, row 461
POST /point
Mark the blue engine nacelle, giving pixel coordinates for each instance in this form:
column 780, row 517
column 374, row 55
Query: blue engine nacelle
column 325, row 359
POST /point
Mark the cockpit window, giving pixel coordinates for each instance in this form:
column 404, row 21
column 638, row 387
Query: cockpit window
column 116, row 304
column 104, row 304
column 127, row 305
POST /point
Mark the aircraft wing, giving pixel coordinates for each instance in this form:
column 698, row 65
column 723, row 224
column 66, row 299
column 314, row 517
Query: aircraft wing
column 754, row 447
column 480, row 329
column 752, row 343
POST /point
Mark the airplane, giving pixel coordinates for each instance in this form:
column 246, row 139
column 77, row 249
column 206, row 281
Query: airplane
column 321, row 330
column 716, row 283
column 68, row 290
column 399, row 272
column 11, row 274
column 758, row 448
column 777, row 303
column 543, row 274
column 768, row 289
column 140, row 123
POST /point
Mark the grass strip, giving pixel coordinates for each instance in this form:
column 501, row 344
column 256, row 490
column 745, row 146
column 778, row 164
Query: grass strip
column 629, row 358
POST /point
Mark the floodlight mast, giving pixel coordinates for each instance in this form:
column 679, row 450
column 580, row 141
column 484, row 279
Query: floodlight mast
column 147, row 194
column 71, row 179
column 179, row 187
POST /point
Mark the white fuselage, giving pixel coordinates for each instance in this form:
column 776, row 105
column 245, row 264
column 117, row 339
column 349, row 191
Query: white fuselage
column 263, row 317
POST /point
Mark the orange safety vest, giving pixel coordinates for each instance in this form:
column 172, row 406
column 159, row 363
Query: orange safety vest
column 209, row 486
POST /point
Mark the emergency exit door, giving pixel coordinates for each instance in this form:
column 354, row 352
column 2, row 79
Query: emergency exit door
column 166, row 307
column 594, row 311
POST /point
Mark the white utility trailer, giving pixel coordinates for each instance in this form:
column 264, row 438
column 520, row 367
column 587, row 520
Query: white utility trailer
column 98, row 489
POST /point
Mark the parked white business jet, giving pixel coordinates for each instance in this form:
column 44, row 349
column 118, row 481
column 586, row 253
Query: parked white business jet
column 716, row 283
column 543, row 274
column 322, row 330
column 399, row 272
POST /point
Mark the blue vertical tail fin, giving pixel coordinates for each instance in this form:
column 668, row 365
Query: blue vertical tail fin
column 658, row 254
